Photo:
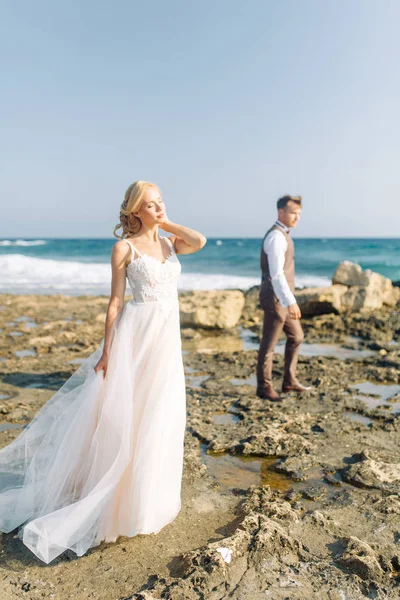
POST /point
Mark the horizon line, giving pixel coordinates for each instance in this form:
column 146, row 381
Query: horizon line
column 305, row 237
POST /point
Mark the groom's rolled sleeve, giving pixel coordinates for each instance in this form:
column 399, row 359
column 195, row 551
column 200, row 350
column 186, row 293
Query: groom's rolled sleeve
column 275, row 246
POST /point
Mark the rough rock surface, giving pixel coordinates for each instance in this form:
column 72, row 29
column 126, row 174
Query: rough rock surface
column 359, row 558
column 368, row 289
column 216, row 309
column 321, row 300
column 353, row 289
column 293, row 500
column 374, row 473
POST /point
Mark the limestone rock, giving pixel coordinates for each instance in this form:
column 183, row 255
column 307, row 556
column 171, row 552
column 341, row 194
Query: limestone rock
column 349, row 274
column 214, row 309
column 373, row 473
column 43, row 344
column 360, row 559
column 352, row 289
column 215, row 571
column 358, row 298
column 321, row 300
column 367, row 289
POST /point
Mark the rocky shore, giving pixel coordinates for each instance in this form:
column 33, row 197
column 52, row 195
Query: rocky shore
column 295, row 500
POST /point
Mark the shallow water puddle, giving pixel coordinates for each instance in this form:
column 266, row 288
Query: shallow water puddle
column 228, row 417
column 249, row 339
column 195, row 381
column 250, row 342
column 225, row 418
column 308, row 349
column 8, row 426
column 23, row 353
column 252, row 380
column 357, row 418
column 243, row 471
column 209, row 342
column 28, row 321
column 382, row 392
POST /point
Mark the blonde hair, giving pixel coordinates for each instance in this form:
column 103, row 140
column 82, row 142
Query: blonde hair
column 133, row 199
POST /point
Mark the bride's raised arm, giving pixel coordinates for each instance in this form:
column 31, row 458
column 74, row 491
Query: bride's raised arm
column 185, row 240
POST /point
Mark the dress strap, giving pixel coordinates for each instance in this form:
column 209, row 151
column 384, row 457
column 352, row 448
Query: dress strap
column 133, row 248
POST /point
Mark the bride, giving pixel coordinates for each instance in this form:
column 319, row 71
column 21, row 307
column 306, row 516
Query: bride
column 104, row 456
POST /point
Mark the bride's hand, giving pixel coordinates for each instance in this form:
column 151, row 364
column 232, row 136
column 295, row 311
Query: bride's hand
column 102, row 365
column 165, row 225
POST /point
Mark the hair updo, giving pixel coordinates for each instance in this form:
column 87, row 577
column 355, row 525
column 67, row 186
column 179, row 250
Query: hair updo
column 133, row 199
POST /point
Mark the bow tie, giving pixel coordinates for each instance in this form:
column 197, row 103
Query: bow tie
column 283, row 227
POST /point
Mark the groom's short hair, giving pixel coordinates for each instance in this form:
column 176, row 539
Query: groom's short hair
column 287, row 198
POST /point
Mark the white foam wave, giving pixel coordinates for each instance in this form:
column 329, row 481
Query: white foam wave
column 22, row 242
column 217, row 281
column 303, row 281
column 25, row 274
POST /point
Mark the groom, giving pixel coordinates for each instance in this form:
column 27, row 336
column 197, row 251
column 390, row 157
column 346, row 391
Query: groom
column 281, row 311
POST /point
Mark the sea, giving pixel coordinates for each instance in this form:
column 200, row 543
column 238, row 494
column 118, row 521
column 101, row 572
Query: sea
column 82, row 266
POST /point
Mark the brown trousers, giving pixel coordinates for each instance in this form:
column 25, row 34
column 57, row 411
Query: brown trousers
column 276, row 320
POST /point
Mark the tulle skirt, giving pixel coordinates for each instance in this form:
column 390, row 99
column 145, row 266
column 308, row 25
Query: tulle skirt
column 103, row 457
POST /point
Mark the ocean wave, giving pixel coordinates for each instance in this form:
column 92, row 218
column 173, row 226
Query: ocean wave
column 305, row 281
column 19, row 273
column 216, row 281
column 22, row 242
column 25, row 274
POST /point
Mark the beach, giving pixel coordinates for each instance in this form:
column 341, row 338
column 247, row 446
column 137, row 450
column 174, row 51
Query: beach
column 296, row 500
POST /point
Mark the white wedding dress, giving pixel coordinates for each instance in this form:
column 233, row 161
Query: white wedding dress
column 104, row 457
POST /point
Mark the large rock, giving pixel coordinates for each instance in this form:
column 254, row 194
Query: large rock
column 321, row 300
column 349, row 273
column 352, row 289
column 367, row 289
column 214, row 309
column 371, row 472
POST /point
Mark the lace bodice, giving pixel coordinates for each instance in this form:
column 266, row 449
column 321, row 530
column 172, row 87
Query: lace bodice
column 151, row 280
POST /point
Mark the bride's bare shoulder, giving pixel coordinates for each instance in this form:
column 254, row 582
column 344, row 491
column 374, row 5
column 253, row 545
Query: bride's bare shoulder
column 120, row 246
column 121, row 250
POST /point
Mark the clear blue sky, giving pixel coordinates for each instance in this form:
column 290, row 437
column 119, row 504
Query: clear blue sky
column 225, row 104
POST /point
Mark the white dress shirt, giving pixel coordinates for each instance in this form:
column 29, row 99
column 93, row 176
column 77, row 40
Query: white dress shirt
column 275, row 246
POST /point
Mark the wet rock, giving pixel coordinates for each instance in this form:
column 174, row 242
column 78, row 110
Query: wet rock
column 331, row 479
column 359, row 558
column 313, row 492
column 219, row 309
column 294, row 466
